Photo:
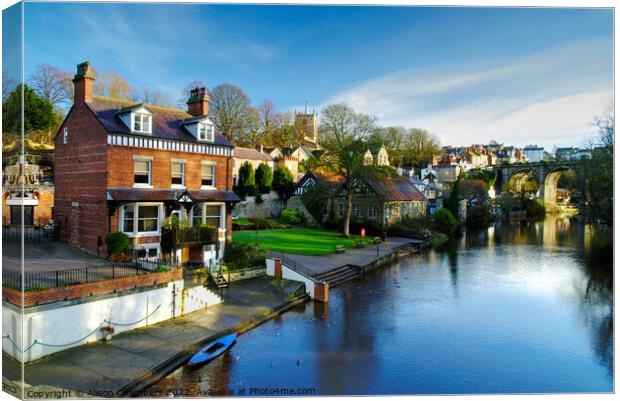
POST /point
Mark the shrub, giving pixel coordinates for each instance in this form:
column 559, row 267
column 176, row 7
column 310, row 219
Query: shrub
column 439, row 239
column 316, row 198
column 263, row 177
column 478, row 217
column 117, row 242
column 245, row 182
column 241, row 256
column 411, row 228
column 445, row 221
column 292, row 216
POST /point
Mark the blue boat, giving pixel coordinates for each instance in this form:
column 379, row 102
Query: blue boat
column 212, row 350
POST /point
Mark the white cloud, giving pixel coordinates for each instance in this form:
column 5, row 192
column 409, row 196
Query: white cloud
column 546, row 98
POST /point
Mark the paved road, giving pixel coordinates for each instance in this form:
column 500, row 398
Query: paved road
column 104, row 367
column 352, row 256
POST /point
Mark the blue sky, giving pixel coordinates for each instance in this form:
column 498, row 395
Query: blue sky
column 469, row 75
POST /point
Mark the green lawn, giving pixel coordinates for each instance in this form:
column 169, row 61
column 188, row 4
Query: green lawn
column 301, row 241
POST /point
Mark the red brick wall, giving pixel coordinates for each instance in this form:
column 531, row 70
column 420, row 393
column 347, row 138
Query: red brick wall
column 80, row 176
column 120, row 159
column 33, row 298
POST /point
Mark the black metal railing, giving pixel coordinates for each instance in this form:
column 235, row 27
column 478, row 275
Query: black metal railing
column 292, row 264
column 171, row 237
column 79, row 275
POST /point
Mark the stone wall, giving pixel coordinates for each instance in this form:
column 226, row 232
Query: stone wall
column 270, row 207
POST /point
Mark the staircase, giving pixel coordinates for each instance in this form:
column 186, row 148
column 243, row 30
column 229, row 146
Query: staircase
column 338, row 275
column 407, row 249
column 217, row 279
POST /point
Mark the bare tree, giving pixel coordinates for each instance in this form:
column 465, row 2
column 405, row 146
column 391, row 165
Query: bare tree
column 345, row 133
column 229, row 110
column 150, row 96
column 52, row 84
column 186, row 92
column 253, row 133
column 111, row 84
column 8, row 85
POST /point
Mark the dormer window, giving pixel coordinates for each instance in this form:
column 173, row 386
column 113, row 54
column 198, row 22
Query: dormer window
column 205, row 132
column 142, row 123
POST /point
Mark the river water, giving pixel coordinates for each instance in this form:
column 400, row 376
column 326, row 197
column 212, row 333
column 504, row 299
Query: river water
column 513, row 309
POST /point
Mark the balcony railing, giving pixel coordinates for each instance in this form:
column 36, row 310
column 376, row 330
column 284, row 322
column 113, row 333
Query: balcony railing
column 174, row 237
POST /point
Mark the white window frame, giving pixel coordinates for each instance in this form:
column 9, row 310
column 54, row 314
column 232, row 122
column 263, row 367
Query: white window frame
column 209, row 132
column 372, row 212
column 139, row 117
column 203, row 207
column 212, row 164
column 65, row 135
column 148, row 159
column 136, row 206
column 183, row 171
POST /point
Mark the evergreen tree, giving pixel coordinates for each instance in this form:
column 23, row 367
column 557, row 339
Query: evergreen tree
column 38, row 112
column 245, row 184
column 264, row 178
column 283, row 183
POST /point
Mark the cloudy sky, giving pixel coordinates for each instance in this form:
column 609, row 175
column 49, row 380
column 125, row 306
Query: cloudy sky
column 469, row 75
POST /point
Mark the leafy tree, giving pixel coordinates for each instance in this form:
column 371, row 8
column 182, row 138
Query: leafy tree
column 452, row 203
column 316, row 198
column 283, row 183
column 445, row 221
column 507, row 202
column 419, row 147
column 229, row 108
column 344, row 133
column 478, row 217
column 264, row 178
column 474, row 190
column 245, row 183
column 38, row 112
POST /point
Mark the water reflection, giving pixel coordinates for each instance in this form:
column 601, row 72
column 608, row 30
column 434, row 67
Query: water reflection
column 514, row 308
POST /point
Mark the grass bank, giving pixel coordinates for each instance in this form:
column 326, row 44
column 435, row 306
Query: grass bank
column 300, row 241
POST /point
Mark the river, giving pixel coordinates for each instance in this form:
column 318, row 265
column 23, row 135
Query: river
column 516, row 308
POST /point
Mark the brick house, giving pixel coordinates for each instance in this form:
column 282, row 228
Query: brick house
column 158, row 174
column 27, row 186
column 379, row 198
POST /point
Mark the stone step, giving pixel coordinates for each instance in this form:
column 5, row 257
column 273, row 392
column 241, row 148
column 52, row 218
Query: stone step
column 334, row 272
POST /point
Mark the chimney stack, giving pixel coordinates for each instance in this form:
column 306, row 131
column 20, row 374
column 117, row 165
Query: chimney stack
column 198, row 102
column 83, row 83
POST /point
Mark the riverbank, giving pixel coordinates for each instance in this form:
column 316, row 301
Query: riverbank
column 133, row 360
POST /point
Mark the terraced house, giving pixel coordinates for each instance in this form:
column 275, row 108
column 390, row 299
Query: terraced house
column 163, row 176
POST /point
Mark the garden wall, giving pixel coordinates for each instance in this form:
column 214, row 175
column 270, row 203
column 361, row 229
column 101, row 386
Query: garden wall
column 270, row 207
column 61, row 325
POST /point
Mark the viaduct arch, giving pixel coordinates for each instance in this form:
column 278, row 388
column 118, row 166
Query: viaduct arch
column 547, row 174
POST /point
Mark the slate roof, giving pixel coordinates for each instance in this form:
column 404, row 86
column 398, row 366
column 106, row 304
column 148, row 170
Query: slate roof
column 395, row 189
column 389, row 188
column 251, row 154
column 167, row 122
column 162, row 195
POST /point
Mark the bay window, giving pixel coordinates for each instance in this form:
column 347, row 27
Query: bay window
column 137, row 218
column 210, row 214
